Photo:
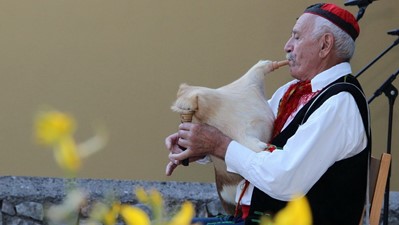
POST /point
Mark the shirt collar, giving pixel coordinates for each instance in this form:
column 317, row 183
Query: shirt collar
column 328, row 76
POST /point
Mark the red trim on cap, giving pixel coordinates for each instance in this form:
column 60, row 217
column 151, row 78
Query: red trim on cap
column 338, row 16
column 345, row 15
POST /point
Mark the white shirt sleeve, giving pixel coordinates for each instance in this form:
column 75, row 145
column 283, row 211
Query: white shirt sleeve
column 333, row 132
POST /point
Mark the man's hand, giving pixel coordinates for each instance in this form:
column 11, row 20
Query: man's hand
column 171, row 143
column 199, row 140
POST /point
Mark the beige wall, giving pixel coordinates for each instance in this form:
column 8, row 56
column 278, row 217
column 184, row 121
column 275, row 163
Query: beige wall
column 120, row 62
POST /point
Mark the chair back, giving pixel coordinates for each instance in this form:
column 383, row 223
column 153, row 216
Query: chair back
column 378, row 176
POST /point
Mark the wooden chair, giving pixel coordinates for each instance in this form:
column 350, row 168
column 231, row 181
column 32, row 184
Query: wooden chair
column 378, row 175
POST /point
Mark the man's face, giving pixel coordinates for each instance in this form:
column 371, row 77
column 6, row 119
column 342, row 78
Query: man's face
column 303, row 49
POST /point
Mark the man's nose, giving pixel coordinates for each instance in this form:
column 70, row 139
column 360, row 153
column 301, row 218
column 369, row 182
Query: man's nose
column 288, row 47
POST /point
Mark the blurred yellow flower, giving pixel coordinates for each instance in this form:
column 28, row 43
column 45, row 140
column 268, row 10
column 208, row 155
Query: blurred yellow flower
column 111, row 216
column 156, row 198
column 141, row 195
column 297, row 212
column 55, row 130
column 153, row 199
column 67, row 155
column 97, row 213
column 156, row 202
column 184, row 216
column 52, row 126
column 134, row 216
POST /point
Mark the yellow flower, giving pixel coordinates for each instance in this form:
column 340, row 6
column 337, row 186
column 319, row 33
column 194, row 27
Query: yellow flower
column 52, row 126
column 156, row 198
column 184, row 216
column 153, row 199
column 111, row 216
column 67, row 155
column 156, row 203
column 297, row 212
column 134, row 216
column 55, row 130
column 97, row 213
column 142, row 195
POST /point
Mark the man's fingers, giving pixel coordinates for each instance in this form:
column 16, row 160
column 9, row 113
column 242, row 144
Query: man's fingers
column 168, row 144
column 170, row 140
column 185, row 126
column 180, row 156
column 170, row 168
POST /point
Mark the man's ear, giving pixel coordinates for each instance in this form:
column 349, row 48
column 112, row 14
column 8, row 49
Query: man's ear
column 326, row 44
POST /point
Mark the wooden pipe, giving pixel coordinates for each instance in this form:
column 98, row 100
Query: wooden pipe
column 278, row 64
column 186, row 117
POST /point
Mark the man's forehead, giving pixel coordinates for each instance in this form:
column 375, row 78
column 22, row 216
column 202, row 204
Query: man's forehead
column 304, row 22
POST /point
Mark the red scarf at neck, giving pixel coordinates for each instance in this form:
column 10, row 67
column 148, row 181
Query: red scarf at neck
column 297, row 94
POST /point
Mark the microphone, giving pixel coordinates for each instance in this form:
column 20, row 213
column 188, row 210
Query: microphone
column 360, row 3
column 393, row 32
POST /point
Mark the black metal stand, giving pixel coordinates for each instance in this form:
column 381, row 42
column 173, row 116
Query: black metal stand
column 396, row 42
column 361, row 4
column 360, row 14
column 391, row 92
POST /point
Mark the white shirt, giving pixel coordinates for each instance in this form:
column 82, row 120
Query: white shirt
column 333, row 132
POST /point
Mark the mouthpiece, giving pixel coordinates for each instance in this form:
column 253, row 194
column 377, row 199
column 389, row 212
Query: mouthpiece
column 278, row 64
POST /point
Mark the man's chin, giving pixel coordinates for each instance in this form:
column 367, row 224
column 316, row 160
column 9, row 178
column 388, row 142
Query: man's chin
column 294, row 72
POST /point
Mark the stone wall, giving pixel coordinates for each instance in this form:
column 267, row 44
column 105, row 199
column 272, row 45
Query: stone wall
column 24, row 200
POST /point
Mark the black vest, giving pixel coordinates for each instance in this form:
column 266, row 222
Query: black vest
column 338, row 197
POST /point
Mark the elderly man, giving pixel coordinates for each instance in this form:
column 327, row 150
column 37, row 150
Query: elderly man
column 321, row 130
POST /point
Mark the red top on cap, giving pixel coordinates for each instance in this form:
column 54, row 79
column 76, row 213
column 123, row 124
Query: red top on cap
column 337, row 15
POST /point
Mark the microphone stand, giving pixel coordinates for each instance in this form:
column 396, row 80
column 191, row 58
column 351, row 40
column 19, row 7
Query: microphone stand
column 391, row 92
column 362, row 4
column 396, row 42
column 360, row 13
